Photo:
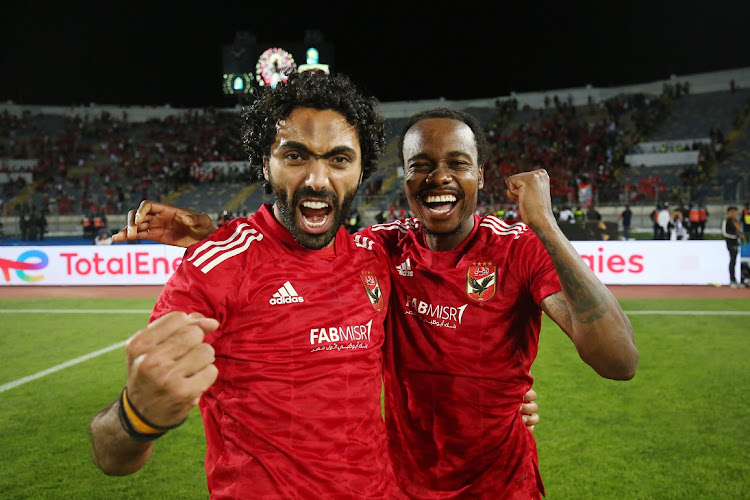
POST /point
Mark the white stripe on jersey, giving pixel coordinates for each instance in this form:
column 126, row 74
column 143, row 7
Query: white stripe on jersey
column 404, row 226
column 502, row 228
column 223, row 250
column 235, row 240
column 210, row 244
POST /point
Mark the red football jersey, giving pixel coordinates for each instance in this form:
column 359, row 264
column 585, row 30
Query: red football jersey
column 462, row 334
column 295, row 412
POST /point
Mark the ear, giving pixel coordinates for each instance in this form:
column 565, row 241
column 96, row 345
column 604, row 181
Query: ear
column 265, row 168
column 480, row 180
column 361, row 175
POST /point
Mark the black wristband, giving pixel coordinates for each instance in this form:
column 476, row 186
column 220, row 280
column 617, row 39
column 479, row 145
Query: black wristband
column 127, row 424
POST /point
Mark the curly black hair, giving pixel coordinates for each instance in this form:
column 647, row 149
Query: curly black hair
column 480, row 138
column 315, row 90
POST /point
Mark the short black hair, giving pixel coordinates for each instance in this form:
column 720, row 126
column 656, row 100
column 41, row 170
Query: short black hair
column 315, row 90
column 480, row 138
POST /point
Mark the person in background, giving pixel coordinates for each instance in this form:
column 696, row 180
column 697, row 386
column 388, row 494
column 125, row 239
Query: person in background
column 662, row 221
column 626, row 216
column 103, row 237
column 566, row 215
column 746, row 221
column 677, row 229
column 730, row 230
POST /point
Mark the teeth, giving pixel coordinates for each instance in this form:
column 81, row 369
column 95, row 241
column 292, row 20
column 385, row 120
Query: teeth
column 316, row 224
column 442, row 211
column 443, row 198
column 314, row 204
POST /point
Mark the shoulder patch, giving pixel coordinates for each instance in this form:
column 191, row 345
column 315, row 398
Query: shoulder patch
column 363, row 241
column 401, row 225
column 212, row 253
column 502, row 228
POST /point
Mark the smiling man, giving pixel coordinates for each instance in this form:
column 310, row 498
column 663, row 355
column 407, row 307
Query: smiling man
column 274, row 325
column 465, row 317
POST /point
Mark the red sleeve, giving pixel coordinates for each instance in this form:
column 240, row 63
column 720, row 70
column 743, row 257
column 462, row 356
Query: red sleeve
column 543, row 280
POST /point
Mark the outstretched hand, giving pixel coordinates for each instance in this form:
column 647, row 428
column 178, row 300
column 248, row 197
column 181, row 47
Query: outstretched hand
column 166, row 224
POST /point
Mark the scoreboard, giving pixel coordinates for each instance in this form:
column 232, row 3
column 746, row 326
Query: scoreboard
column 249, row 63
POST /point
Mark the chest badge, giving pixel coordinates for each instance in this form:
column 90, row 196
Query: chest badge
column 372, row 287
column 481, row 278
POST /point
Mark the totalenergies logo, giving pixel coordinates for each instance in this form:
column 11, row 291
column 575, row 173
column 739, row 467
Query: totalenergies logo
column 32, row 260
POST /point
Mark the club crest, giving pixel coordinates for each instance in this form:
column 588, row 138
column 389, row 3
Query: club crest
column 372, row 287
column 481, row 279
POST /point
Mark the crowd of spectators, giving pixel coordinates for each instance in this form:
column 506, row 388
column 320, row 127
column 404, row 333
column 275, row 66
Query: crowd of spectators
column 583, row 149
column 105, row 163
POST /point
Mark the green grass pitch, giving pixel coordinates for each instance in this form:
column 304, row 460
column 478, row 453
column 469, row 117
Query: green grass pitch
column 679, row 430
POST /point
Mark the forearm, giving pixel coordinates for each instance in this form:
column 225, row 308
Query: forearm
column 588, row 312
column 113, row 451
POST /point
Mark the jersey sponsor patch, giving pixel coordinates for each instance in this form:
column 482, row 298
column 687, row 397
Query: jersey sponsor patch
column 481, row 278
column 372, row 288
column 341, row 338
column 440, row 315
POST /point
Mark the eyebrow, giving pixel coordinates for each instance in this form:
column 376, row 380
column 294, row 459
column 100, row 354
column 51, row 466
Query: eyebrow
column 333, row 152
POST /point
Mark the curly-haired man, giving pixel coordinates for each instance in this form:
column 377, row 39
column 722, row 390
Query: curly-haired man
column 275, row 322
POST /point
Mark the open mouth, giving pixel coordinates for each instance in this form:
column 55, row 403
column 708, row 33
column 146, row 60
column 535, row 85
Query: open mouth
column 315, row 215
column 440, row 203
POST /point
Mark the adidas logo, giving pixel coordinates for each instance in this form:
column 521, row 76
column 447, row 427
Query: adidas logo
column 404, row 269
column 286, row 295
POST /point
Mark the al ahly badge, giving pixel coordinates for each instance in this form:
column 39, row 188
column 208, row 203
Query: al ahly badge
column 481, row 280
column 372, row 287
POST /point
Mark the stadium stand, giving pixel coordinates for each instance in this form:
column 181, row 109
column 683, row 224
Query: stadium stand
column 66, row 162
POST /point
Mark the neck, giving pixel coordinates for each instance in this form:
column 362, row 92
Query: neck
column 444, row 242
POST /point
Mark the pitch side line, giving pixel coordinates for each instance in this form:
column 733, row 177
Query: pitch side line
column 61, row 366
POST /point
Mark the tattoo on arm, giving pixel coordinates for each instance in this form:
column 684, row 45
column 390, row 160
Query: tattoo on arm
column 558, row 310
column 583, row 291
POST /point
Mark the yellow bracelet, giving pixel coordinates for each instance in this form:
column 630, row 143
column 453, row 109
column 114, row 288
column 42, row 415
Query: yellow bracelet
column 135, row 419
column 135, row 425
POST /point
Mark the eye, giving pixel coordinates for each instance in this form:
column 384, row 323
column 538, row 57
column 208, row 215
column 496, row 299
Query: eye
column 340, row 159
column 420, row 167
column 460, row 165
column 294, row 158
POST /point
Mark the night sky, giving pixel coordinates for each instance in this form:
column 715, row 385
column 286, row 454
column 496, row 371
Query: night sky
column 131, row 52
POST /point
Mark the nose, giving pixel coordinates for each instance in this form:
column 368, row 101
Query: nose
column 317, row 174
column 440, row 175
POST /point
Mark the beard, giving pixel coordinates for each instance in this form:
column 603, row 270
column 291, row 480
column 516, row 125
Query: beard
column 288, row 213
